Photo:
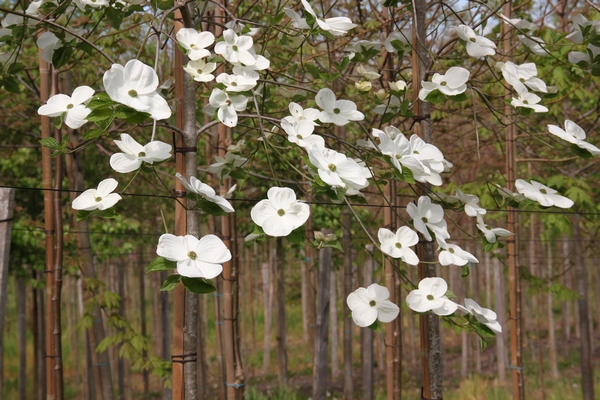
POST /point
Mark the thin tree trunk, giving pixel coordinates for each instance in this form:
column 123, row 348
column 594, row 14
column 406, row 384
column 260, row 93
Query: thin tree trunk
column 566, row 311
column 21, row 337
column 499, row 306
column 141, row 268
column 512, row 225
column 320, row 373
column 551, row 326
column 39, row 348
column 366, row 336
column 7, row 200
column 120, row 282
column 335, row 342
column 88, row 378
column 101, row 364
column 281, row 319
column 310, row 286
column 587, row 371
column 267, row 300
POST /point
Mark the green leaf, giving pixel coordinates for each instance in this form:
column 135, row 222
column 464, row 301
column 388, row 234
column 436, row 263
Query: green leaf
column 435, row 97
column 465, row 270
column 579, row 152
column 376, row 326
column 50, row 143
column 108, row 213
column 11, row 84
column 197, row 285
column 93, row 134
column 83, row 214
column 459, row 97
column 209, row 207
column 114, row 17
column 61, row 56
column 15, row 68
column 100, row 115
column 161, row 264
column 296, row 237
column 170, row 283
column 100, row 101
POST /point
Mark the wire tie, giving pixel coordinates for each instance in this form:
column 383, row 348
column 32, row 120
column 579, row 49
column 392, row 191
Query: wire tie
column 219, row 323
column 516, row 368
column 193, row 149
column 6, row 220
column 234, row 385
column 104, row 364
column 97, row 320
column 179, row 193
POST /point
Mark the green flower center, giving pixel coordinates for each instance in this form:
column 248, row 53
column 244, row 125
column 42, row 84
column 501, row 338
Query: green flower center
column 543, row 191
column 424, row 219
column 281, row 212
column 233, row 83
column 98, row 199
column 69, row 106
column 332, row 167
column 443, row 83
column 372, row 303
column 522, row 79
column 430, row 297
column 399, row 245
column 192, row 255
column 141, row 154
column 234, row 48
column 299, row 136
column 132, row 93
column 336, row 111
column 193, row 46
column 415, row 152
column 473, row 39
column 199, row 71
column 525, row 102
column 487, row 227
column 228, row 102
column 398, row 156
column 451, row 250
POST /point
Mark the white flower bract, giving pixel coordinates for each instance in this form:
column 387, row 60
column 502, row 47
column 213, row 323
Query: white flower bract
column 195, row 43
column 101, row 198
column 542, row 194
column 574, row 134
column 483, row 315
column 396, row 245
column 135, row 86
column 73, row 106
column 371, row 304
column 431, row 296
column 454, row 255
column 339, row 112
column 195, row 258
column 195, row 185
column 453, row 83
column 477, row 46
column 134, row 154
column 280, row 213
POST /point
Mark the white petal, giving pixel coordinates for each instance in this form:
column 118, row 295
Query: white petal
column 172, row 248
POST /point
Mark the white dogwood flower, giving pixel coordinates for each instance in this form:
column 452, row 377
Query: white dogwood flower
column 236, row 83
column 428, row 216
column 101, row 198
column 483, row 315
column 301, row 133
column 195, row 258
column 452, row 254
column 336, row 26
column 299, row 114
column 453, row 83
column 491, row 234
column 335, row 169
column 195, row 43
column 529, row 100
column 523, row 76
column 573, row 133
column 200, row 70
column 339, row 112
column 195, row 185
column 371, row 304
column 470, row 202
column 280, row 213
column 431, row 296
column 236, row 49
column 134, row 154
column 477, row 46
column 226, row 106
column 542, row 194
column 72, row 106
column 135, row 86
column 397, row 245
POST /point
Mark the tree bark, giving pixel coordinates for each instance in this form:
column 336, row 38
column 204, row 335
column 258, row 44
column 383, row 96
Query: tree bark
column 281, row 319
column 320, row 373
column 267, row 300
column 587, row 371
column 21, row 337
column 335, row 342
column 7, row 202
column 499, row 307
column 366, row 336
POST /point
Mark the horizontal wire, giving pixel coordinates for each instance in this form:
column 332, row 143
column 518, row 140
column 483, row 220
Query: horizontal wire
column 309, row 202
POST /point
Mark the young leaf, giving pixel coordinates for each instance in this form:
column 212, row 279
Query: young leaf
column 161, row 264
column 197, row 285
column 170, row 283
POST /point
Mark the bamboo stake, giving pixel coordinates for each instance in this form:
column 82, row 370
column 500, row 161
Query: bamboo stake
column 45, row 71
column 7, row 203
column 512, row 225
